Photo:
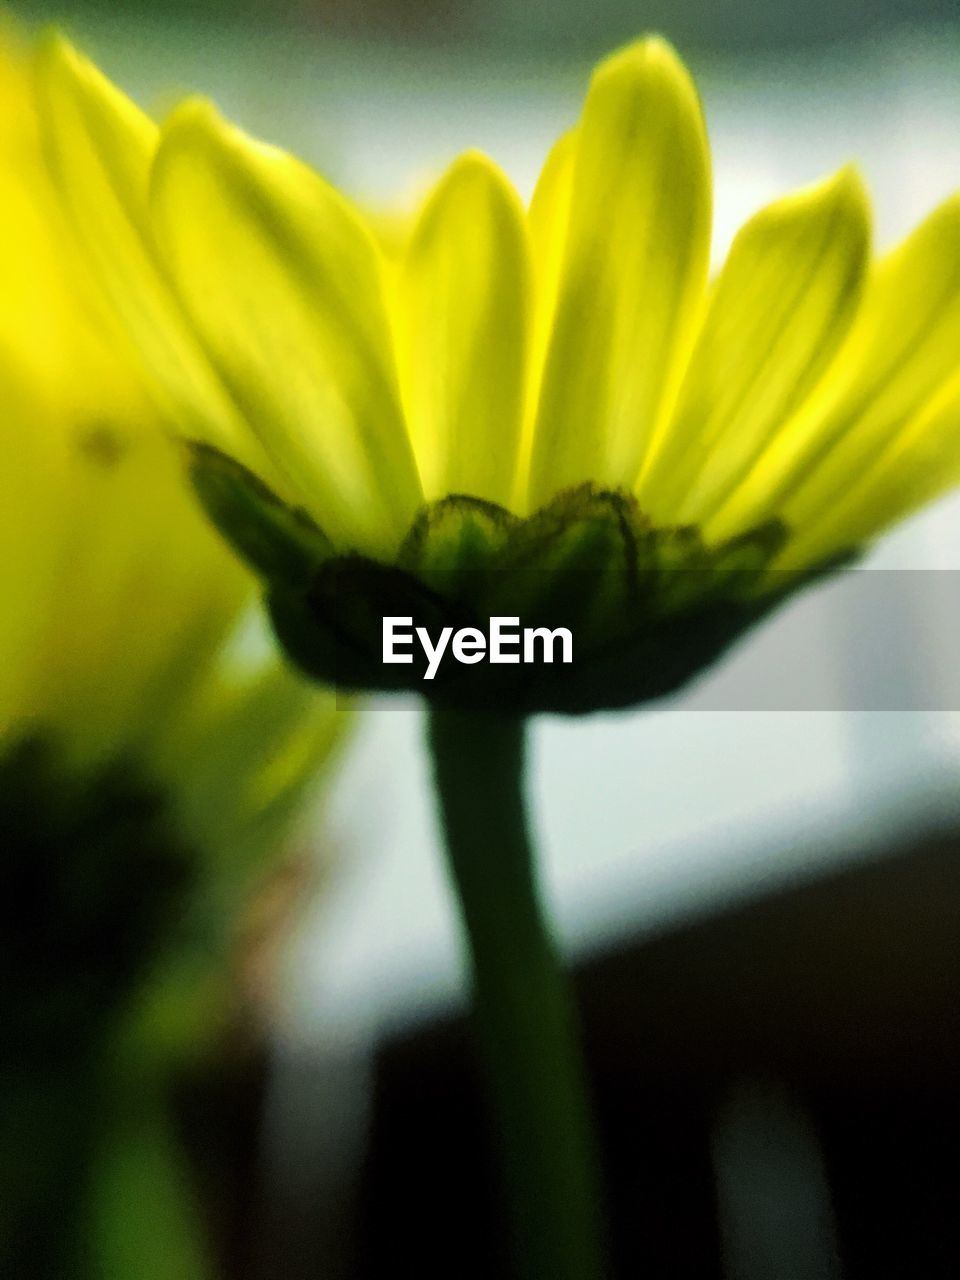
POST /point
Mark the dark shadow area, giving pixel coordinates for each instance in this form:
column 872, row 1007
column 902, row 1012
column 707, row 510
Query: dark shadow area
column 780, row 1076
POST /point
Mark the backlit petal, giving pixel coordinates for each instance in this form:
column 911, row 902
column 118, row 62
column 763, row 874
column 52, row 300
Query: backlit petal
column 781, row 307
column 462, row 333
column 548, row 220
column 897, row 360
column 283, row 283
column 101, row 148
column 920, row 463
column 633, row 272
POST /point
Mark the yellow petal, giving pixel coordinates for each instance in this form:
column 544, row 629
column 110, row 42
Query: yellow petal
column 131, row 545
column 633, row 272
column 899, row 356
column 548, row 220
column 920, row 463
column 101, row 147
column 283, row 283
column 462, row 333
column 782, row 305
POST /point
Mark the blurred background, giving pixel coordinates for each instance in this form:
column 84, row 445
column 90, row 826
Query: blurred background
column 832, row 731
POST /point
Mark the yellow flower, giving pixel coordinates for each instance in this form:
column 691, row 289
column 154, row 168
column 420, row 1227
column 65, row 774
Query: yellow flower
column 156, row 764
column 557, row 391
column 137, row 704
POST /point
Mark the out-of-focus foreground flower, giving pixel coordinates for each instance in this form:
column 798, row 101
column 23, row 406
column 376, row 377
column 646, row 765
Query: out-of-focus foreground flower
column 155, row 753
column 547, row 411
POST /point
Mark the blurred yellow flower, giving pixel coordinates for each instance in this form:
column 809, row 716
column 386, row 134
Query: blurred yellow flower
column 567, row 363
column 123, row 633
column 156, row 758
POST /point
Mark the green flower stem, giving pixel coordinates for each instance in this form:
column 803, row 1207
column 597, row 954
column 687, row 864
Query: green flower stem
column 522, row 1002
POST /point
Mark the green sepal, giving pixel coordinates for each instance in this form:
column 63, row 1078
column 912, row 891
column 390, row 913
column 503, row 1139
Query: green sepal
column 454, row 543
column 333, row 629
column 277, row 541
column 571, row 564
column 649, row 608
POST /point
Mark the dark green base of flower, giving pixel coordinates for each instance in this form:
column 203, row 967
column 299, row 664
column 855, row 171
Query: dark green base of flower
column 648, row 608
column 94, row 882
